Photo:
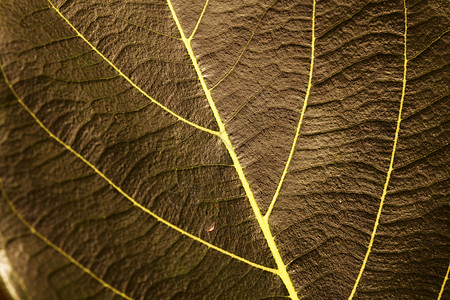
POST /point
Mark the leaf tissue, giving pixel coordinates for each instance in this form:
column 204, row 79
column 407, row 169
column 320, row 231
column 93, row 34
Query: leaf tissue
column 224, row 149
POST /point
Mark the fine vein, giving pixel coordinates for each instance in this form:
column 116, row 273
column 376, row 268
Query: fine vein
column 127, row 78
column 281, row 271
column 244, row 49
column 443, row 284
column 199, row 20
column 302, row 114
column 58, row 249
column 391, row 164
column 117, row 188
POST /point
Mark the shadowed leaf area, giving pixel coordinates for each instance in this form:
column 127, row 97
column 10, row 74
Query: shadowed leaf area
column 224, row 149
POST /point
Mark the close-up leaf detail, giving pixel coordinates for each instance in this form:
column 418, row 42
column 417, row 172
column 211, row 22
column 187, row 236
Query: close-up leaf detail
column 224, row 149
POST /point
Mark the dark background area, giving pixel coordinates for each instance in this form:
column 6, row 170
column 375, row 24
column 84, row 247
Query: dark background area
column 3, row 295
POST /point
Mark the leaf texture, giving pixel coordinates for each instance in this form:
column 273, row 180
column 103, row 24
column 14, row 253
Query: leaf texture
column 224, row 149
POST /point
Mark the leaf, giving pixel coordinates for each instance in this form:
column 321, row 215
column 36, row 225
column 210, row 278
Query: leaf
column 224, row 149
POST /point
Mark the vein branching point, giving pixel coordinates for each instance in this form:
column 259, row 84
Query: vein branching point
column 282, row 271
column 302, row 114
column 222, row 136
column 123, row 193
column 126, row 77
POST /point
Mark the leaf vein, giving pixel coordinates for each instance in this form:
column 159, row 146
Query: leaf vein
column 199, row 20
column 441, row 292
column 245, row 47
column 58, row 249
column 126, row 77
column 124, row 194
column 281, row 271
column 302, row 114
column 391, row 164
column 252, row 97
column 430, row 44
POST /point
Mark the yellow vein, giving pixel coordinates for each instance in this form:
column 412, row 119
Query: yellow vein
column 58, row 249
column 132, row 200
column 443, row 283
column 302, row 114
column 127, row 78
column 198, row 21
column 245, row 48
column 281, row 271
column 430, row 44
column 391, row 164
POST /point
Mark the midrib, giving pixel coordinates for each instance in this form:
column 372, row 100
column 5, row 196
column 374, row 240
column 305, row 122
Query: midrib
column 282, row 272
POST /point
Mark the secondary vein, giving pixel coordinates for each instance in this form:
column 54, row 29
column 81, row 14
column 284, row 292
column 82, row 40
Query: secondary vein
column 444, row 282
column 58, row 249
column 302, row 114
column 391, row 164
column 199, row 20
column 127, row 78
column 123, row 193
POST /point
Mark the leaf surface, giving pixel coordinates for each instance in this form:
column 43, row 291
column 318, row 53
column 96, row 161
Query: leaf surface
column 224, row 149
